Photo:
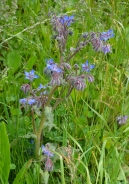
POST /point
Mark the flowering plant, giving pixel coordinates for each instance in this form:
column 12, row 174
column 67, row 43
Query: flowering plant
column 60, row 75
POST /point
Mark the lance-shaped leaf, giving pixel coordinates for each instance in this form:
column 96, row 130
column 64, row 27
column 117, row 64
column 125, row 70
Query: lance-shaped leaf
column 21, row 174
column 4, row 154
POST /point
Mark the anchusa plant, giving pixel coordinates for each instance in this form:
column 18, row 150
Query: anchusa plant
column 61, row 75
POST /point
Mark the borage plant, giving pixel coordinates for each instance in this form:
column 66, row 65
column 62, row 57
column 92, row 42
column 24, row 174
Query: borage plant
column 62, row 77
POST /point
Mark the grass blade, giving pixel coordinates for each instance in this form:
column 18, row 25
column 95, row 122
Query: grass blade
column 22, row 172
column 4, row 154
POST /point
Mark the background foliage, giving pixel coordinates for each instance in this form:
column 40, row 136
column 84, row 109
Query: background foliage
column 91, row 146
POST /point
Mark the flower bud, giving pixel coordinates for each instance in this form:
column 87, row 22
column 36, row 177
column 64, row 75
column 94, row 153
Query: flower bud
column 56, row 79
column 81, row 43
column 72, row 49
column 85, row 35
column 76, row 66
column 90, row 78
column 25, row 88
column 70, row 32
column 66, row 66
column 48, row 164
column 78, row 83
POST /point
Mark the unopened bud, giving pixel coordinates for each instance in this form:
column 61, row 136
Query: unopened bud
column 81, row 43
column 70, row 32
column 66, row 66
column 76, row 66
column 90, row 78
column 48, row 164
column 25, row 88
column 85, row 35
column 72, row 49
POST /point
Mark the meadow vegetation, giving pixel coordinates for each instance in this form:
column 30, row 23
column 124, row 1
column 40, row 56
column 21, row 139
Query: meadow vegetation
column 76, row 132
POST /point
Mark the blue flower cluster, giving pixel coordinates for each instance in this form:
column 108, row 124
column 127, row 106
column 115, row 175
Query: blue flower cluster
column 56, row 72
column 99, row 42
column 104, row 36
column 29, row 101
column 26, row 88
column 52, row 66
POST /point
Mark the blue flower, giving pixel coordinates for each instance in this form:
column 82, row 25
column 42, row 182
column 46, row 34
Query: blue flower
column 51, row 66
column 66, row 20
column 86, row 67
column 29, row 101
column 41, row 87
column 122, row 119
column 106, row 49
column 54, row 68
column 31, row 75
column 106, row 35
column 50, row 61
column 44, row 93
column 23, row 101
column 46, row 151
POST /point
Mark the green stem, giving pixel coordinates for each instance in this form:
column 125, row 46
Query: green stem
column 50, row 96
column 33, row 122
column 77, row 50
column 38, row 136
column 70, row 57
column 57, row 103
column 59, row 100
column 41, row 125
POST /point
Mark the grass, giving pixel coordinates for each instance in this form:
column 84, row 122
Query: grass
column 90, row 146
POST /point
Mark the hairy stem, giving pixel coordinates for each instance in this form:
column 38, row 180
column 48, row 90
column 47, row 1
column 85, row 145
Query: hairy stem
column 38, row 136
column 50, row 95
column 70, row 57
column 33, row 122
column 41, row 125
column 78, row 48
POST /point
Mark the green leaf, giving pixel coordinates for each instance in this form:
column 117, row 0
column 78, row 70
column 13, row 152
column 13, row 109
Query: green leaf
column 28, row 178
column 31, row 62
column 4, row 154
column 15, row 111
column 21, row 174
column 13, row 60
column 50, row 118
column 46, row 177
column 12, row 166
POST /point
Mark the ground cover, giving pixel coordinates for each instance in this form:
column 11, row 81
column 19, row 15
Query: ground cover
column 76, row 131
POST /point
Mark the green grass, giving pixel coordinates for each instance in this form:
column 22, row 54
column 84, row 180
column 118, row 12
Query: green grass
column 90, row 146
